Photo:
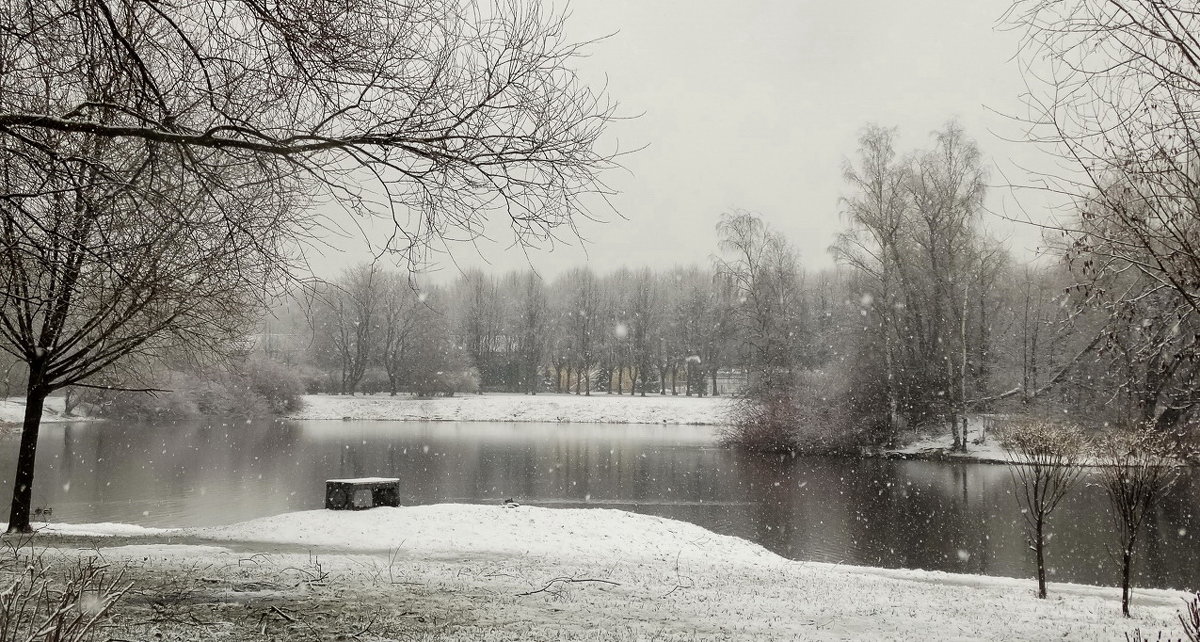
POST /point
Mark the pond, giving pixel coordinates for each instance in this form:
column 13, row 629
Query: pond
column 953, row 517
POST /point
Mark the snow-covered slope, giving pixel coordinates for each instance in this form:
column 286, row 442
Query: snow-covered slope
column 658, row 576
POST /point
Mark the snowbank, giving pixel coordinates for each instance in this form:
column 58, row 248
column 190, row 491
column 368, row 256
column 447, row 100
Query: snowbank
column 577, row 534
column 651, row 576
column 100, row 529
column 548, row 408
column 501, row 573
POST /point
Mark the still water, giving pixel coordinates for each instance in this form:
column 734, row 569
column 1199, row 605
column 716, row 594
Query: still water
column 908, row 514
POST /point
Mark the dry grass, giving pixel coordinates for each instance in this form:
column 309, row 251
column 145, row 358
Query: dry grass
column 188, row 589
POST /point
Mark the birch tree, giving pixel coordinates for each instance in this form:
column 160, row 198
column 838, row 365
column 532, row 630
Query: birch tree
column 875, row 215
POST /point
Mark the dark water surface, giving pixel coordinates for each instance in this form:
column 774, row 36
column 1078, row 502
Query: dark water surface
column 910, row 514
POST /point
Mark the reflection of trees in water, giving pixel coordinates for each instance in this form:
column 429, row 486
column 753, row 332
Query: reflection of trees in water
column 66, row 462
column 1170, row 536
column 871, row 512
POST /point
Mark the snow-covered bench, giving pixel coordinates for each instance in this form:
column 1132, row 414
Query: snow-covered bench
column 360, row 493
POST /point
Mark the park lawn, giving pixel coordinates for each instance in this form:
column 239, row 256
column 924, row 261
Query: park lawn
column 473, row 572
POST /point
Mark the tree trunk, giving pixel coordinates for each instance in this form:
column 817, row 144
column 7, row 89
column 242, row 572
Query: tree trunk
column 393, row 383
column 1126, row 567
column 1039, row 545
column 620, row 380
column 674, row 379
column 715, row 392
column 71, row 400
column 35, row 399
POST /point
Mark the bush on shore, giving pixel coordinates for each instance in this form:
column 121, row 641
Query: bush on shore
column 261, row 387
column 809, row 414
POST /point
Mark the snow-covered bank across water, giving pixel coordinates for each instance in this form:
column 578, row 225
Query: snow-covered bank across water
column 982, row 444
column 470, row 572
column 12, row 411
column 548, row 408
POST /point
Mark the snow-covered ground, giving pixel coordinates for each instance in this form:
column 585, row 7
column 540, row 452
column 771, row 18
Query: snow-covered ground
column 982, row 444
column 497, row 573
column 12, row 411
column 549, row 408
column 98, row 529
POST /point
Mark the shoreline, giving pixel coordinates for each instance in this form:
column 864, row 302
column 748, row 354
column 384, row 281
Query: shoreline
column 548, row 408
column 521, row 408
column 465, row 572
column 564, row 408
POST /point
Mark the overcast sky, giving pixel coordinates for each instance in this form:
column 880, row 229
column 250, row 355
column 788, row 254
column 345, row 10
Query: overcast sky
column 756, row 105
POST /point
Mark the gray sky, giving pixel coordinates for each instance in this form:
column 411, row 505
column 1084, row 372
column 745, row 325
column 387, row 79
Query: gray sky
column 756, row 105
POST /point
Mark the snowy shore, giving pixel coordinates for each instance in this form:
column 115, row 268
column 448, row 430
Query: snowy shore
column 12, row 411
column 469, row 572
column 499, row 407
column 598, row 408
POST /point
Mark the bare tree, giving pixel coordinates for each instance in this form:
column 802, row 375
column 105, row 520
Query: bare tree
column 695, row 311
column 927, row 279
column 478, row 322
column 533, row 323
column 616, row 346
column 1132, row 189
column 1044, row 460
column 1139, row 468
column 353, row 314
column 1141, row 60
column 764, row 271
column 946, row 187
column 432, row 115
column 875, row 214
column 438, row 365
column 580, row 293
column 645, row 314
column 399, row 320
column 155, row 160
column 101, row 265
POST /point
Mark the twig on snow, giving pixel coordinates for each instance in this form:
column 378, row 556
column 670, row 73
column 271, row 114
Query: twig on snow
column 566, row 580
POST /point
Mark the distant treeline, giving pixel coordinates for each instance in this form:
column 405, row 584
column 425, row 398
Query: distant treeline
column 926, row 319
column 681, row 331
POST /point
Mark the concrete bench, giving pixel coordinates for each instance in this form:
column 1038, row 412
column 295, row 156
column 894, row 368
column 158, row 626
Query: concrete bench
column 361, row 493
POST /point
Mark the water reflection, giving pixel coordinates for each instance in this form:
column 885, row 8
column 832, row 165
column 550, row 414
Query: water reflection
column 952, row 517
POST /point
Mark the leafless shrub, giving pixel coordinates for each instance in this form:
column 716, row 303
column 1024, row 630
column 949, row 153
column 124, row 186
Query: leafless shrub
column 37, row 605
column 809, row 414
column 763, row 422
column 1138, row 636
column 1191, row 619
column 1139, row 467
column 1044, row 460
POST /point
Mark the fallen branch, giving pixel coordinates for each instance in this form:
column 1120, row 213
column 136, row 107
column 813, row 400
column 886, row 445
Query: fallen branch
column 283, row 615
column 566, row 580
column 679, row 578
column 1029, row 395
